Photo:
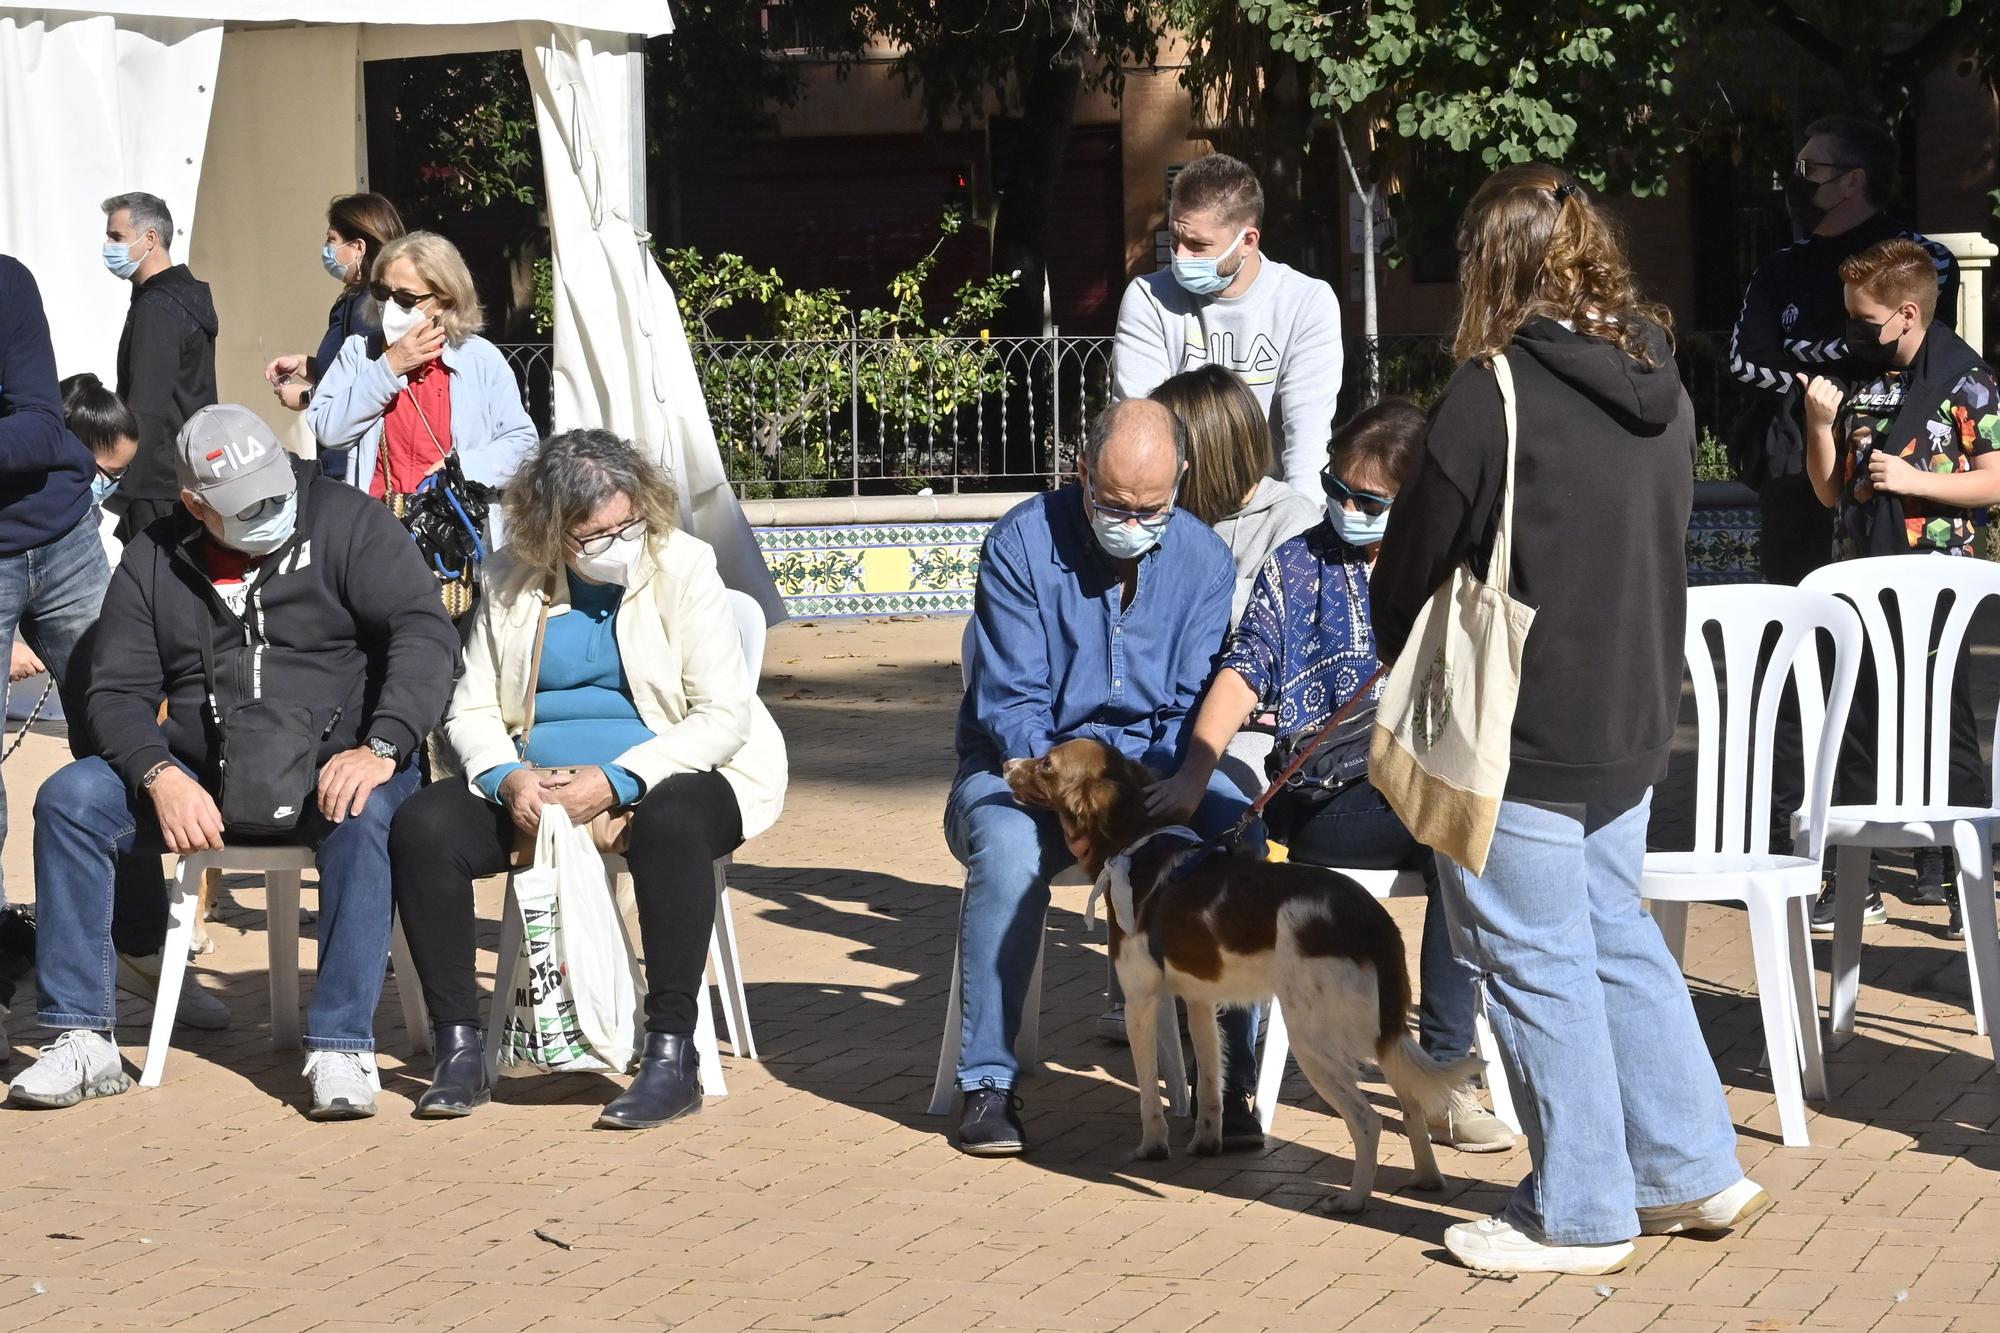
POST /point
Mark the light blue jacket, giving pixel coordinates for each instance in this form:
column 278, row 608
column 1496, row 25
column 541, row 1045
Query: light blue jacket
column 490, row 429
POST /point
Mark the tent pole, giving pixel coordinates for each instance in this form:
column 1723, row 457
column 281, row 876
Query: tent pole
column 635, row 81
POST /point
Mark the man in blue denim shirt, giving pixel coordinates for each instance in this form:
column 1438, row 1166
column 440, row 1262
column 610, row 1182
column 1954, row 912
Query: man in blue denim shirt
column 1101, row 610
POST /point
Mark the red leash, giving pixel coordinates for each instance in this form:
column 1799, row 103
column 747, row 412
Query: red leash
column 1300, row 760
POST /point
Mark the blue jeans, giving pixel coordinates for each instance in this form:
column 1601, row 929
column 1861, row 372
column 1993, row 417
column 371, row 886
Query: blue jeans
column 49, row 598
column 1010, row 853
column 1614, row 1086
column 1356, row 830
column 85, row 819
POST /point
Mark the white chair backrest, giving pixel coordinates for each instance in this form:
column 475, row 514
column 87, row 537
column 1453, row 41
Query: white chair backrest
column 1733, row 755
column 1913, row 707
column 749, row 630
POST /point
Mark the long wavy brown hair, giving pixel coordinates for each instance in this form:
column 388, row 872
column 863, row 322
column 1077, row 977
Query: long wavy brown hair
column 1533, row 245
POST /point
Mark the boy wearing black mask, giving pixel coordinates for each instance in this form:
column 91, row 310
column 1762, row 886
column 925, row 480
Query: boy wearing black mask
column 1907, row 452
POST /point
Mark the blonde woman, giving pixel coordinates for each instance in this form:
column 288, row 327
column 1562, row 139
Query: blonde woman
column 642, row 702
column 425, row 385
column 1628, row 1132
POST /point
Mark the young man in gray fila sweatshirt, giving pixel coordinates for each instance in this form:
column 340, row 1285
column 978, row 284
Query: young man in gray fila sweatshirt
column 1223, row 300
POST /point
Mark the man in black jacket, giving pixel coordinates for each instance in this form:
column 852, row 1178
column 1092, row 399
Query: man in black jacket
column 166, row 355
column 277, row 601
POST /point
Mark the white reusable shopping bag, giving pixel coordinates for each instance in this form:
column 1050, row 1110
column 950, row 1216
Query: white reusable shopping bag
column 575, row 1004
column 1444, row 728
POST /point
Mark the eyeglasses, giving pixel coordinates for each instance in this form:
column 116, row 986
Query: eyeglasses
column 113, row 477
column 601, row 543
column 1364, row 501
column 1134, row 515
column 1805, row 165
column 384, row 293
column 262, row 509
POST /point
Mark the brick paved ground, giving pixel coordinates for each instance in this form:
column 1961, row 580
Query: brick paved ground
column 818, row 1196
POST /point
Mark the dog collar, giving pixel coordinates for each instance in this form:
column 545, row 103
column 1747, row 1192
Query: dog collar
column 1114, row 881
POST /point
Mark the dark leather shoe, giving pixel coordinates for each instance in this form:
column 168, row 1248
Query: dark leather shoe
column 458, row 1073
column 1241, row 1130
column 990, row 1124
column 667, row 1086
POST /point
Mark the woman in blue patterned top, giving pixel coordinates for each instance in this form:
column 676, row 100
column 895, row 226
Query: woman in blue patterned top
column 1303, row 647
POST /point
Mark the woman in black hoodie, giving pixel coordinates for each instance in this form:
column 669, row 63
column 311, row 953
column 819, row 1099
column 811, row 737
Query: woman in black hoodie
column 1627, row 1128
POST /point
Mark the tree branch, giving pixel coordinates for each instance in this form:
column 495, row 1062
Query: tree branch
column 1801, row 30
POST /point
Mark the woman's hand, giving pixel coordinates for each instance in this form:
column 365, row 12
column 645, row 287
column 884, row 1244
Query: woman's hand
column 521, row 792
column 585, row 796
column 1823, row 399
column 413, row 349
column 292, row 363
column 1176, row 797
column 24, row 663
column 293, row 395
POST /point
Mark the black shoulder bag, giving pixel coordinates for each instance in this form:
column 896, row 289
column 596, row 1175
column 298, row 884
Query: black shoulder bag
column 270, row 757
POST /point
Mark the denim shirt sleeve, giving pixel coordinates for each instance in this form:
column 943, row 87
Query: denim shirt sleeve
column 1256, row 647
column 1010, row 669
column 1200, row 654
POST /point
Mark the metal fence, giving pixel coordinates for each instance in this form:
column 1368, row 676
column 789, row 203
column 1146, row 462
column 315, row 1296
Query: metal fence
column 861, row 416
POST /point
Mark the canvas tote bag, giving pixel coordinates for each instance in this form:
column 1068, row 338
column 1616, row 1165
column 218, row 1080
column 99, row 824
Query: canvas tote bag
column 1445, row 725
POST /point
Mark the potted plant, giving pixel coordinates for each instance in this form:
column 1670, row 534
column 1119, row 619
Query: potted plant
column 1722, row 532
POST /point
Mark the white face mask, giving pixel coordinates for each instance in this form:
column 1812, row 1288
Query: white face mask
column 618, row 565
column 397, row 322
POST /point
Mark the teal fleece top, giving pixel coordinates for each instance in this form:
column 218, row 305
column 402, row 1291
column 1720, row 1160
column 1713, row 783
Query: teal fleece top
column 584, row 712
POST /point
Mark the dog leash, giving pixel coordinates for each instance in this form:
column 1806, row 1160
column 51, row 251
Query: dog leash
column 1300, row 760
column 34, row 714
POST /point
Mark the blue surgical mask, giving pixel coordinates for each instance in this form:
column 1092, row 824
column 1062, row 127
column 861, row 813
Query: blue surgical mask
column 118, row 258
column 1121, row 538
column 102, row 486
column 329, row 260
column 264, row 535
column 1357, row 529
column 1199, row 277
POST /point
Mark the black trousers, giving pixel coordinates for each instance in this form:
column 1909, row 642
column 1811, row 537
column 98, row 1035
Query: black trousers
column 446, row 836
column 1795, row 537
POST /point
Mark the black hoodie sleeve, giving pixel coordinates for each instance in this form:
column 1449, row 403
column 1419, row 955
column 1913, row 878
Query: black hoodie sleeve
column 1438, row 520
column 394, row 601
column 32, row 435
column 153, row 372
column 127, row 681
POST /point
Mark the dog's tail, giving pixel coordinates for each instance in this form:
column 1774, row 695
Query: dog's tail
column 1419, row 1079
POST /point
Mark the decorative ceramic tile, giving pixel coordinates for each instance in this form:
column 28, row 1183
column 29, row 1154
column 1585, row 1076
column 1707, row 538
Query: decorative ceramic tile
column 876, row 569
column 1722, row 546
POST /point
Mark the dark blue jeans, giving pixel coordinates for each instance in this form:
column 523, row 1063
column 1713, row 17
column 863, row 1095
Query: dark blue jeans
column 1356, row 830
column 49, row 598
column 85, row 819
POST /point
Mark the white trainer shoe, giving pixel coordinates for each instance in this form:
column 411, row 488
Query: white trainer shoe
column 198, row 1009
column 1468, row 1126
column 1732, row 1208
column 76, row 1065
column 344, row 1084
column 1495, row 1245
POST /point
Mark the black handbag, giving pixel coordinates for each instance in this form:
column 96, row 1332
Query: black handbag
column 1339, row 762
column 269, row 758
column 446, row 515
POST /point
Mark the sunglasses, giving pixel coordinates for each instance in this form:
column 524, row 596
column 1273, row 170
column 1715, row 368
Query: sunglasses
column 384, row 293
column 601, row 543
column 1364, row 502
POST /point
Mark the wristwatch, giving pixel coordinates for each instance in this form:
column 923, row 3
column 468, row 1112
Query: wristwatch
column 382, row 749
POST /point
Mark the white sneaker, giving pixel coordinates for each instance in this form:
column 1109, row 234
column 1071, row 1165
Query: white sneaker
column 1468, row 1126
column 1495, row 1245
column 76, row 1065
column 198, row 1009
column 1732, row 1208
column 344, row 1084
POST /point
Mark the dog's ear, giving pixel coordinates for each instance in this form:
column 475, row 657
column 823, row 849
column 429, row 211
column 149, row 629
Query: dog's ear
column 1093, row 802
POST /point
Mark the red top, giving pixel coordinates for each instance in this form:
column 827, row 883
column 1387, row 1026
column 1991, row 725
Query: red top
column 408, row 452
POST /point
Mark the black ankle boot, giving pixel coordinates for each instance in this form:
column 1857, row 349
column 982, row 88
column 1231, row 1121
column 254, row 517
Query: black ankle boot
column 458, row 1073
column 667, row 1086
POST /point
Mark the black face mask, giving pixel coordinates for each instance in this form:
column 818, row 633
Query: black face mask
column 1801, row 197
column 1865, row 346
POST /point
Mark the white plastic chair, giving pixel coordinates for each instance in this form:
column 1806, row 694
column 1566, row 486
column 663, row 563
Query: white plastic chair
column 1731, row 860
column 1912, row 742
column 281, row 868
column 1382, row 884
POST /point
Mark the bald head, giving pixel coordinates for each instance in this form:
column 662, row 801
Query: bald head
column 1134, row 455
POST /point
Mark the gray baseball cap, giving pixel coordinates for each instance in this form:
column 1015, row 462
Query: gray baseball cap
column 229, row 457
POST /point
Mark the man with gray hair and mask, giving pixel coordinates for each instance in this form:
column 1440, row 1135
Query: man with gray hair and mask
column 1101, row 610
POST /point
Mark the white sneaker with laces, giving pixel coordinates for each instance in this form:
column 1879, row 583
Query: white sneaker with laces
column 1495, row 1245
column 344, row 1084
column 1468, row 1126
column 1732, row 1208
column 76, row 1065
column 198, row 1009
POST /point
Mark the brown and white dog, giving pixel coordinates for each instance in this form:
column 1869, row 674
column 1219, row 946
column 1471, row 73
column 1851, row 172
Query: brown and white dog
column 1223, row 929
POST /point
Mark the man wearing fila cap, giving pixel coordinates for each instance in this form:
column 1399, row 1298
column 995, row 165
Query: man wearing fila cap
column 321, row 626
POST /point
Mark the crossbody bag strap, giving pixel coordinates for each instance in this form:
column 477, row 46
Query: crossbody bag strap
column 535, row 670
column 1500, row 569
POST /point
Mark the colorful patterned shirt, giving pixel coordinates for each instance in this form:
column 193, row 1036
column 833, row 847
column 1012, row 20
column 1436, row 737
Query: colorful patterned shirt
column 1305, row 643
column 1964, row 426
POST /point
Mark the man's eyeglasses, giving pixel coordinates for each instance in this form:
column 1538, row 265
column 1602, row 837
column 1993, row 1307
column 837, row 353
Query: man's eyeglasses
column 601, row 543
column 263, row 509
column 384, row 293
column 1364, row 502
column 1805, row 166
column 113, row 477
column 1159, row 515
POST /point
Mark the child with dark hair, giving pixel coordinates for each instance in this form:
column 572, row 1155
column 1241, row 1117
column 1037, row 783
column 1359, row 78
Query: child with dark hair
column 107, row 427
column 1303, row 648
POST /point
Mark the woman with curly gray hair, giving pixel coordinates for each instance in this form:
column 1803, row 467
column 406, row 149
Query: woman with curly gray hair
column 603, row 674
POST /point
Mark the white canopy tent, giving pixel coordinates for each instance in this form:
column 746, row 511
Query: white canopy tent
column 246, row 117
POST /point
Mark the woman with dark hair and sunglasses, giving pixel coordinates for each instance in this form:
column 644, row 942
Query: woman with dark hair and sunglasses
column 1302, row 649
